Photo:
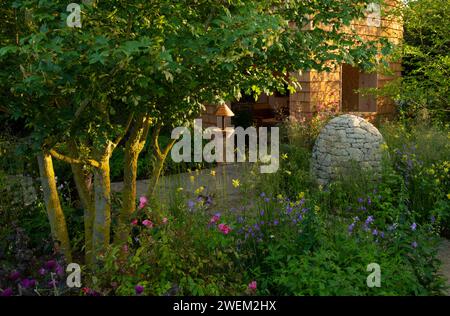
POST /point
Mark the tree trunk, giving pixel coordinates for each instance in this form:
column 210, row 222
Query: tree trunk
column 83, row 183
column 160, row 159
column 133, row 148
column 53, row 205
column 102, row 203
column 156, row 174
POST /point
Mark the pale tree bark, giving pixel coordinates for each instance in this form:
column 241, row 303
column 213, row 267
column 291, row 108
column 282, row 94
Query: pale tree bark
column 102, row 194
column 83, row 183
column 134, row 146
column 53, row 205
column 161, row 156
column 102, row 204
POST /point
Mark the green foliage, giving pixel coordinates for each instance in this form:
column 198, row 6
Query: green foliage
column 423, row 92
column 183, row 256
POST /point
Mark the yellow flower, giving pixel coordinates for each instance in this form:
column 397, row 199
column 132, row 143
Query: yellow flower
column 384, row 146
column 317, row 208
column 192, row 178
column 180, row 189
column 284, row 156
column 288, row 172
column 236, row 183
column 301, row 195
column 199, row 190
column 213, row 173
column 448, row 196
column 279, row 196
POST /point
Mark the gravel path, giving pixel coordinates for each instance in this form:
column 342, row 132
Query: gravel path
column 444, row 256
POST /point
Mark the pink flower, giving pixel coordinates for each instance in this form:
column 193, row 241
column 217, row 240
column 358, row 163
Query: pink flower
column 225, row 229
column 142, row 202
column 252, row 286
column 134, row 222
column 215, row 218
column 165, row 220
column 147, row 223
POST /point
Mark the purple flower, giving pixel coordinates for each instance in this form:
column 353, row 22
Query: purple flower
column 351, row 227
column 27, row 283
column 375, row 232
column 261, row 213
column 42, row 271
column 382, row 234
column 433, row 219
column 59, row 270
column 414, row 244
column 262, row 223
column 369, row 220
column 360, row 200
column 363, row 208
column 276, row 222
column 262, row 194
column 267, row 200
column 15, row 275
column 413, row 226
column 369, row 201
column 289, row 210
column 50, row 265
column 191, row 204
column 7, row 292
column 139, row 289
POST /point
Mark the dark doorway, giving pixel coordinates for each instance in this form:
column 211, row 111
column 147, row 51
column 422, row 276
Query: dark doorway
column 352, row 80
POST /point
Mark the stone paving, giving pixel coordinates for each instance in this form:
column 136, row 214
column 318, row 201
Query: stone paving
column 444, row 256
column 218, row 182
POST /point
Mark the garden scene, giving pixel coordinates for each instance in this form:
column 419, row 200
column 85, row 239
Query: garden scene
column 320, row 168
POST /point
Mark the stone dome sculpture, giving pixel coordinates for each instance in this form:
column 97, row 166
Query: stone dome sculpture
column 345, row 142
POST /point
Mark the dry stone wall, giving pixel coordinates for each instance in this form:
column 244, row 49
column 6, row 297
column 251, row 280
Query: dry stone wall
column 345, row 141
